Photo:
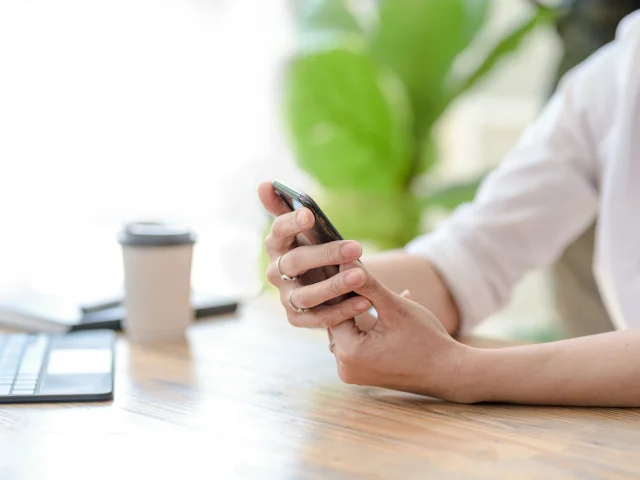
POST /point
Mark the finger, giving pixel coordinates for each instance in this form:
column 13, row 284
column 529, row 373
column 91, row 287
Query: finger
column 302, row 259
column 383, row 300
column 345, row 333
column 313, row 295
column 270, row 200
column 349, row 265
column 330, row 316
column 347, row 337
column 286, row 227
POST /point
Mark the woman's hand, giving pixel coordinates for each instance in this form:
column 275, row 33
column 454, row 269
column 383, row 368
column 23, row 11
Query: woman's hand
column 307, row 263
column 408, row 349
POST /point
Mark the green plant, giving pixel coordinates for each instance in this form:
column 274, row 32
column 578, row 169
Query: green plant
column 362, row 97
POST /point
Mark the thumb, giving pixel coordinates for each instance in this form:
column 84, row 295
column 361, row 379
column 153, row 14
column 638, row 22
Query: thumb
column 383, row 300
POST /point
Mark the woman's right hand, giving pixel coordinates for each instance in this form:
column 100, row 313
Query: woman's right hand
column 298, row 261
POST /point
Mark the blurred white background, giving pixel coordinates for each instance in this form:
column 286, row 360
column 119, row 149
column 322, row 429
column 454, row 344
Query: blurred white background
column 113, row 110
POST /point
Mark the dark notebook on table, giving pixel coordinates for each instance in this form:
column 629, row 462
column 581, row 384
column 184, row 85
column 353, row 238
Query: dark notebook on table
column 46, row 313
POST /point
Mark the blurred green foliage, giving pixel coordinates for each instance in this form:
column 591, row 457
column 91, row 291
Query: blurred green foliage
column 363, row 94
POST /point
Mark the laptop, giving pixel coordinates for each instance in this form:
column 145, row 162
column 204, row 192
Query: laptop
column 50, row 367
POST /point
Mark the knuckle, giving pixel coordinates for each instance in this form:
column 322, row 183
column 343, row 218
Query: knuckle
column 328, row 253
column 277, row 229
column 346, row 310
column 335, row 285
column 272, row 274
column 284, row 302
column 299, row 298
column 332, row 316
column 268, row 240
column 325, row 319
column 314, row 319
column 292, row 258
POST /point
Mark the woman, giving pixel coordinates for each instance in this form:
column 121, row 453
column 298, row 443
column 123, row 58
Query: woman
column 581, row 158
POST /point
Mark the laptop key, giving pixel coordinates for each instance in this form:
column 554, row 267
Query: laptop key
column 33, row 356
column 22, row 392
column 22, row 385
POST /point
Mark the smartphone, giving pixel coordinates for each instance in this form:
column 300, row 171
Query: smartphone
column 323, row 230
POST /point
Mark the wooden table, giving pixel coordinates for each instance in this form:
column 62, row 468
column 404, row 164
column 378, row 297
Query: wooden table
column 251, row 396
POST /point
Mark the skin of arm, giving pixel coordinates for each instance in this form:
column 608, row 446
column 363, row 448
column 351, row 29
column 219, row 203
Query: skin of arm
column 567, row 372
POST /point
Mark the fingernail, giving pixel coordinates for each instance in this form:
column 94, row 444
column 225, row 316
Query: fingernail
column 354, row 277
column 362, row 305
column 405, row 293
column 351, row 249
column 301, row 217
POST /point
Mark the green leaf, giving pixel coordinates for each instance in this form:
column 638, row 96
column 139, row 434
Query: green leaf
column 386, row 220
column 349, row 127
column 455, row 194
column 324, row 23
column 428, row 154
column 419, row 40
column 506, row 46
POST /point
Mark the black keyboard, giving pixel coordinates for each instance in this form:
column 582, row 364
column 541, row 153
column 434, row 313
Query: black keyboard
column 52, row 367
column 21, row 359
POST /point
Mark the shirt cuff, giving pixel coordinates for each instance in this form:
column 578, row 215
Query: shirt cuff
column 462, row 274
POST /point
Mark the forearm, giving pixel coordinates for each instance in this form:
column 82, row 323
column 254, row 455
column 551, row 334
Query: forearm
column 600, row 370
column 398, row 271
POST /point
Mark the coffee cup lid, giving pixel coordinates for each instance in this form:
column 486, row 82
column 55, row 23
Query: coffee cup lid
column 155, row 235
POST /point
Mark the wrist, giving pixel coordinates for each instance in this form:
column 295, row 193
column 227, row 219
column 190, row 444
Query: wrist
column 467, row 378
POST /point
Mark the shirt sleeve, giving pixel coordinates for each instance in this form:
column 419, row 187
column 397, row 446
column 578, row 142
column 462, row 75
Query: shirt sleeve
column 541, row 197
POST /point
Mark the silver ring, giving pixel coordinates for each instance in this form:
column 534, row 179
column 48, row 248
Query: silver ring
column 332, row 344
column 293, row 305
column 283, row 276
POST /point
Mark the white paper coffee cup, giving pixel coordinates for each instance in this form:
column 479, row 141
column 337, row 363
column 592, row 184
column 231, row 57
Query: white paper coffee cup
column 157, row 276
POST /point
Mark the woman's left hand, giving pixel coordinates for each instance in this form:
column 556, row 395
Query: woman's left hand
column 407, row 349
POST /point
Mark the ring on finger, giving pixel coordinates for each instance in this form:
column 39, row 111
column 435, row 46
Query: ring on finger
column 283, row 276
column 293, row 305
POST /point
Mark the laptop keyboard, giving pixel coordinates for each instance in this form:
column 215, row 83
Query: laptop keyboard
column 21, row 359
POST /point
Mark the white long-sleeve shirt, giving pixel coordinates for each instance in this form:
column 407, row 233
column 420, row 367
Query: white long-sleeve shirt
column 581, row 158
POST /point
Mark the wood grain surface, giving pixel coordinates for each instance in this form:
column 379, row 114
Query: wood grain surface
column 248, row 396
